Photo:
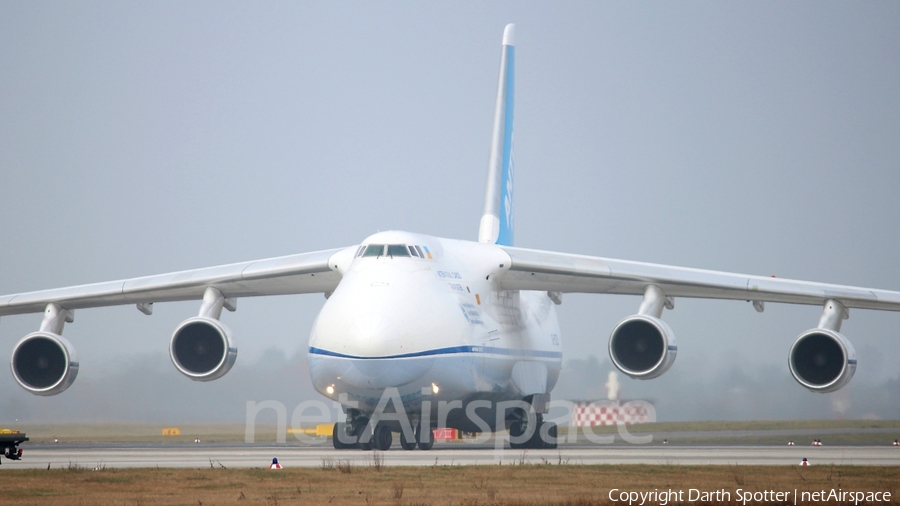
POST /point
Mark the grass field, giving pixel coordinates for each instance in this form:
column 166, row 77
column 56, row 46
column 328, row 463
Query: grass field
column 339, row 483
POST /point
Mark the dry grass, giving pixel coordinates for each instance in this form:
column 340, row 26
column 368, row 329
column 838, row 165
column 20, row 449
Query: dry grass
column 467, row 485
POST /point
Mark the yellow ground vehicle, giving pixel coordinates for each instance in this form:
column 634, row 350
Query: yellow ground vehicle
column 9, row 443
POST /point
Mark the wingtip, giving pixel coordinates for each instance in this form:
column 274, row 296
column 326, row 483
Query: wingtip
column 509, row 35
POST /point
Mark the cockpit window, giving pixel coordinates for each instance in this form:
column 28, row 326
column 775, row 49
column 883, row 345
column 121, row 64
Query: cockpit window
column 391, row 250
column 397, row 250
column 374, row 250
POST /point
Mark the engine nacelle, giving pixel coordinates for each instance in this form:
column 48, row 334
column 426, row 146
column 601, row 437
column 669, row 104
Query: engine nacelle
column 642, row 346
column 44, row 363
column 202, row 348
column 822, row 360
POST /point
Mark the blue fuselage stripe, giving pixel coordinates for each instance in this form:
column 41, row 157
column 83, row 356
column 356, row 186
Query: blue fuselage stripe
column 446, row 351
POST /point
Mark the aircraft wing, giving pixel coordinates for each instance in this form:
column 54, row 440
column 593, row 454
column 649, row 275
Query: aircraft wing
column 292, row 274
column 563, row 272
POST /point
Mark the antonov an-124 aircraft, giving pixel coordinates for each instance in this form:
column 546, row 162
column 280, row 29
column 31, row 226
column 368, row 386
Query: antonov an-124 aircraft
column 470, row 324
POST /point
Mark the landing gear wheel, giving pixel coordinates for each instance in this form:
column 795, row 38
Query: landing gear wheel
column 407, row 445
column 544, row 437
column 382, row 438
column 535, row 440
column 549, row 436
column 340, row 439
column 516, row 430
column 424, row 437
column 364, row 435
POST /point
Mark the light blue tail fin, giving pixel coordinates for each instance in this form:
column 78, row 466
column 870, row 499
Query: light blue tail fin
column 497, row 218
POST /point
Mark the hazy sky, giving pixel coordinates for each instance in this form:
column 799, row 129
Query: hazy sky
column 758, row 137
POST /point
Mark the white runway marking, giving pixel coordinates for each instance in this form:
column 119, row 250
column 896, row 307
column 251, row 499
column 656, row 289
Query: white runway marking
column 90, row 456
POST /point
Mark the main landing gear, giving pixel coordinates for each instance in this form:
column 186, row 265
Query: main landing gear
column 406, row 444
column 424, row 437
column 544, row 437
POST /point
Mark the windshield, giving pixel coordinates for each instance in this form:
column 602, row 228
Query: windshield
column 374, row 250
column 397, row 250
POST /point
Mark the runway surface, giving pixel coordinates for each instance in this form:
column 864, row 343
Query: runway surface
column 456, row 454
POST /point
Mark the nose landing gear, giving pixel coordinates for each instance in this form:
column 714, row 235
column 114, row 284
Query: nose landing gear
column 358, row 432
column 342, row 438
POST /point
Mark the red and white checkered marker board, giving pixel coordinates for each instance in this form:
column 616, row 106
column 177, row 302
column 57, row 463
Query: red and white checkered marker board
column 444, row 434
column 587, row 413
column 275, row 466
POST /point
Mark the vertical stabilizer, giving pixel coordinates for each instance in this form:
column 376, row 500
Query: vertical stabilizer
column 497, row 218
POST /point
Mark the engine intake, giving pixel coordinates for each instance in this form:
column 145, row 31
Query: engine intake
column 44, row 363
column 642, row 346
column 202, row 348
column 822, row 360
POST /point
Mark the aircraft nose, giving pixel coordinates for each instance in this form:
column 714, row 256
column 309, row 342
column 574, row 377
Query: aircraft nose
column 377, row 328
column 372, row 332
column 369, row 322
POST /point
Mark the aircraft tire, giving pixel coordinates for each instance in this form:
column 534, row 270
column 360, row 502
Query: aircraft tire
column 382, row 438
column 552, row 436
column 516, row 429
column 407, row 445
column 535, row 440
column 424, row 438
column 364, row 433
column 545, row 438
column 335, row 439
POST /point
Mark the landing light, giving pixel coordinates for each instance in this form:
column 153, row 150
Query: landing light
column 435, row 388
column 330, row 389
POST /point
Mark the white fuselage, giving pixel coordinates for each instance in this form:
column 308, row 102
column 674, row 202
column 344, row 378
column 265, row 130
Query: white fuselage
column 435, row 327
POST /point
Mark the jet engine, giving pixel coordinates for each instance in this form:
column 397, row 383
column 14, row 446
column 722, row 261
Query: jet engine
column 643, row 346
column 202, row 347
column 44, row 363
column 822, row 359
